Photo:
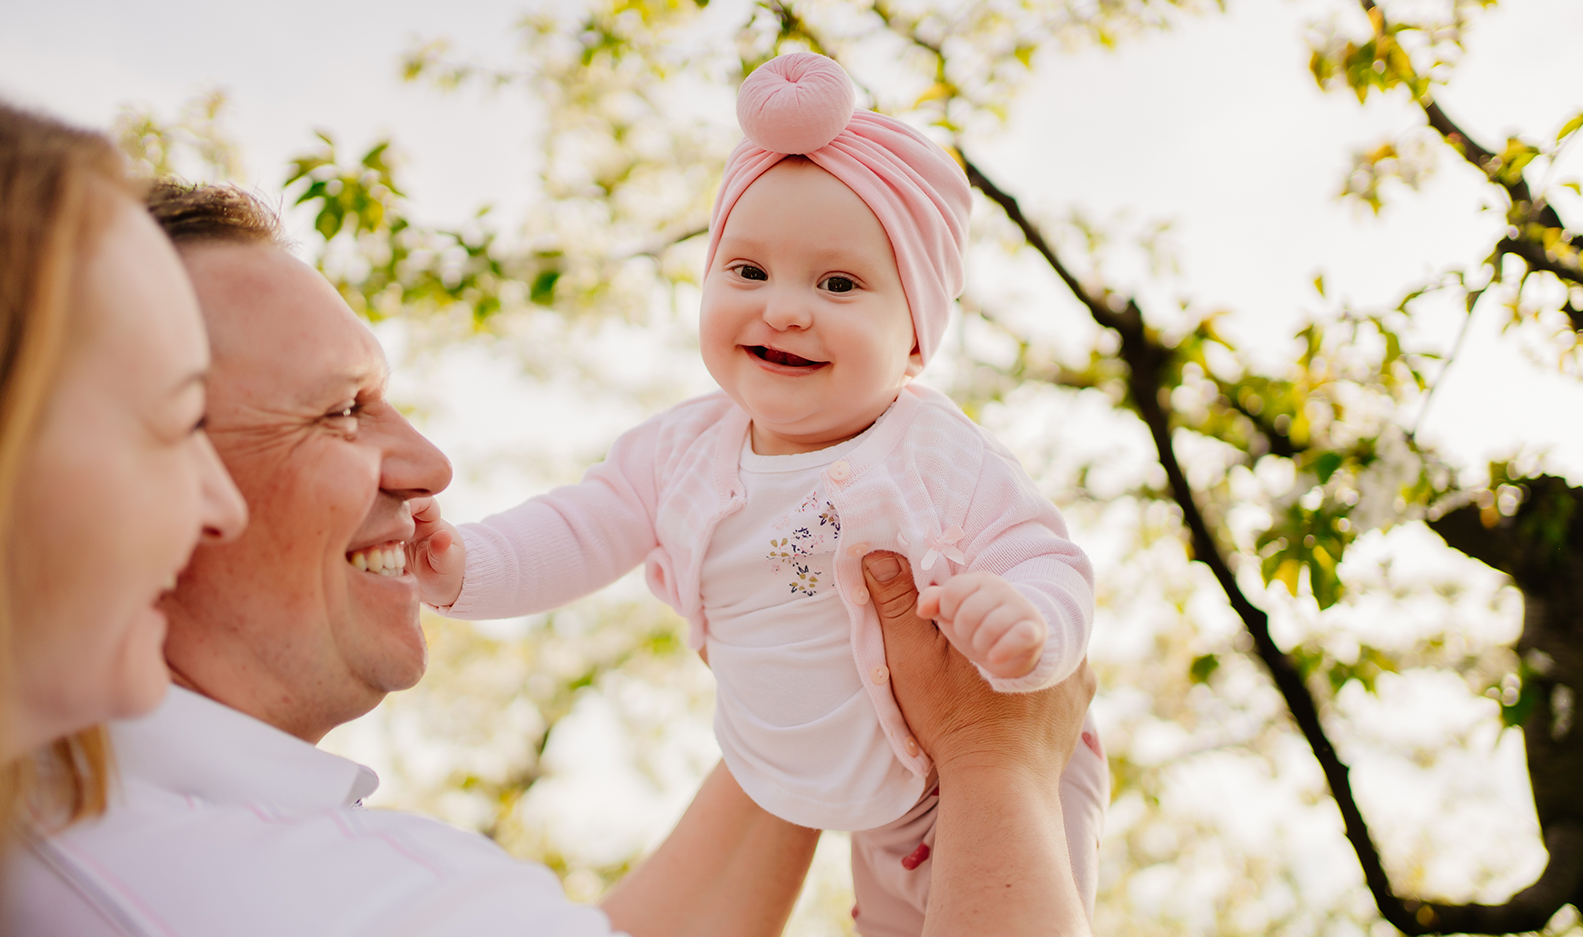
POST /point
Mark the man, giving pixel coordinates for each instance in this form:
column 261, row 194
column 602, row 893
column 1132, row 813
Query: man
column 231, row 821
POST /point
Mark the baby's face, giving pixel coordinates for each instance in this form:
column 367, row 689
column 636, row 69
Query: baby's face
column 804, row 320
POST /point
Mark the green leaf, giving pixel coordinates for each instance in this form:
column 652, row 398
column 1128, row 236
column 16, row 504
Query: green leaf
column 1202, row 667
column 1326, row 465
column 1517, row 713
column 1570, row 127
column 329, row 222
column 543, row 290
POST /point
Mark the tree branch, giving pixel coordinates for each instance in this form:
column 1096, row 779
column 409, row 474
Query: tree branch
column 1538, row 258
column 1145, row 357
column 1486, row 160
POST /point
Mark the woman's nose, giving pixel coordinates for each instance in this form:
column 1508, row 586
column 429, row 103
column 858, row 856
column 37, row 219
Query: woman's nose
column 224, row 511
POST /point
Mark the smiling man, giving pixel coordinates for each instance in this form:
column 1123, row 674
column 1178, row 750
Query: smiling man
column 228, row 820
column 306, row 621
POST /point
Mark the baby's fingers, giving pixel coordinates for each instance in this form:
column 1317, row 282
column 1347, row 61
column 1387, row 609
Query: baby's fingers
column 439, row 562
column 1020, row 640
column 991, row 627
column 929, row 602
column 425, row 511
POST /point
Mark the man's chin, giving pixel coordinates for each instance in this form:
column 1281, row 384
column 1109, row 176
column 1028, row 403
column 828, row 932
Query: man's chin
column 386, row 608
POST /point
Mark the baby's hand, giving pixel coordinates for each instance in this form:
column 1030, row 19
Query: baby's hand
column 435, row 555
column 989, row 621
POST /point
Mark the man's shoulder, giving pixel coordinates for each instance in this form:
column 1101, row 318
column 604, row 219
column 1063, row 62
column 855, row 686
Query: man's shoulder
column 194, row 867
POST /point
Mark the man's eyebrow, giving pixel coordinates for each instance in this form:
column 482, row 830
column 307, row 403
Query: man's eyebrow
column 350, row 383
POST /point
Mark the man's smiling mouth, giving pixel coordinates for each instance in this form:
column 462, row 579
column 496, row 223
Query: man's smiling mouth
column 782, row 358
column 387, row 559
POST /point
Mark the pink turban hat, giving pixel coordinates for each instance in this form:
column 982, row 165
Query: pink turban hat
column 802, row 104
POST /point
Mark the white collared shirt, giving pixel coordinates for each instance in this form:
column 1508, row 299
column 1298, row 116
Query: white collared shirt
column 225, row 825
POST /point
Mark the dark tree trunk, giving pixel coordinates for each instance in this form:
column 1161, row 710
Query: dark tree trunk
column 1541, row 548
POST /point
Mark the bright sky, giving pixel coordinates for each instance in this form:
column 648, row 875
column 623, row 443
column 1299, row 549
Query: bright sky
column 1149, row 133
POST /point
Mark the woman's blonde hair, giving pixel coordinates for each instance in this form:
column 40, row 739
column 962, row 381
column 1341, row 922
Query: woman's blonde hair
column 59, row 189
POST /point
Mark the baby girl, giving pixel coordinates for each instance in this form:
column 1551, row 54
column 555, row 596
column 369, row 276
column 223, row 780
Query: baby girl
column 835, row 251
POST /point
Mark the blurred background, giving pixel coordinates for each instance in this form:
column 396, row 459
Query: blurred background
column 1277, row 300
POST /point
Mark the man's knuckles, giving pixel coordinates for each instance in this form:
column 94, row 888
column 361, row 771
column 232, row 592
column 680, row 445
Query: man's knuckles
column 895, row 608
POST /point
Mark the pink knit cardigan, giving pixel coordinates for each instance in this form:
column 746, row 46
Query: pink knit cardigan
column 927, row 482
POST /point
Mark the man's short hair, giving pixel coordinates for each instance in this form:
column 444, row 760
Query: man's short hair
column 196, row 213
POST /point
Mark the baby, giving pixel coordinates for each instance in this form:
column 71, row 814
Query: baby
column 835, row 251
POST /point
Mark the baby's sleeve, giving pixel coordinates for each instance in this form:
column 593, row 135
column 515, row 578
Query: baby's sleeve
column 566, row 543
column 1015, row 532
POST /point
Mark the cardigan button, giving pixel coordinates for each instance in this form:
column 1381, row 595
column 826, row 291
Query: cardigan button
column 839, row 472
column 860, row 595
column 912, row 746
column 879, row 674
column 857, row 549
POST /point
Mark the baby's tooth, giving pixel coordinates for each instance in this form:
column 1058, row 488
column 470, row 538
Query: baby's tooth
column 360, row 560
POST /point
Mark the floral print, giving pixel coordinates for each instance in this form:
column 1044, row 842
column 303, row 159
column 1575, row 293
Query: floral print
column 802, row 541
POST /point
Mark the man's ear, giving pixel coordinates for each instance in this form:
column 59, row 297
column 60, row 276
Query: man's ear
column 915, row 362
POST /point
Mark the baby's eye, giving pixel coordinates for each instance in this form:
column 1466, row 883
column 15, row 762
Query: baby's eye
column 750, row 272
column 838, row 284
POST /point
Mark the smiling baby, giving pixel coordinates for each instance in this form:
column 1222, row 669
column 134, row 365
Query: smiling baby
column 835, row 252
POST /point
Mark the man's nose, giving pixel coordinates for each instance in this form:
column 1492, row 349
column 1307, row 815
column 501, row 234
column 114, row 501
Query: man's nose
column 413, row 467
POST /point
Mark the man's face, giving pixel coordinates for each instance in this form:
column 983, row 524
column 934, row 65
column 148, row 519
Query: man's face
column 281, row 624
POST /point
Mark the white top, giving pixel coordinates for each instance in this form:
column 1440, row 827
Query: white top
column 793, row 719
column 225, row 825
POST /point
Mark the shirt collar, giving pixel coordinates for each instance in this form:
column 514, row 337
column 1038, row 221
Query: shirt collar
column 194, row 745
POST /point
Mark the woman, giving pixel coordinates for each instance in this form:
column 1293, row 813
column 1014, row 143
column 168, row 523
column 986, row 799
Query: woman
column 107, row 481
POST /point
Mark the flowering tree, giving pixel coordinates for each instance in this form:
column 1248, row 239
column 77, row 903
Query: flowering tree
column 1278, row 483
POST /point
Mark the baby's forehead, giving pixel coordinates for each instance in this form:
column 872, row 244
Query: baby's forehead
column 804, row 203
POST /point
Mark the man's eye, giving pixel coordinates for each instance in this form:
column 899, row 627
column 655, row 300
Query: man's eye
column 838, row 284
column 345, row 418
column 750, row 272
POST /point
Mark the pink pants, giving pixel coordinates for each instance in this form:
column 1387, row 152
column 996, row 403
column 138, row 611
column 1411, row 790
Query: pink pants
column 891, row 864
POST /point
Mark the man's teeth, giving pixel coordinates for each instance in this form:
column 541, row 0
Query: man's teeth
column 387, row 560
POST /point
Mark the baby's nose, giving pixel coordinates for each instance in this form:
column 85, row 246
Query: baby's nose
column 783, row 312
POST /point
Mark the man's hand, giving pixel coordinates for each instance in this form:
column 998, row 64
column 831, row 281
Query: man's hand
column 435, row 555
column 953, row 712
column 1000, row 859
column 990, row 622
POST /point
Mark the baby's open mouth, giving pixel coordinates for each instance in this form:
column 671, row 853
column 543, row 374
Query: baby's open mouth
column 385, row 559
column 783, row 358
